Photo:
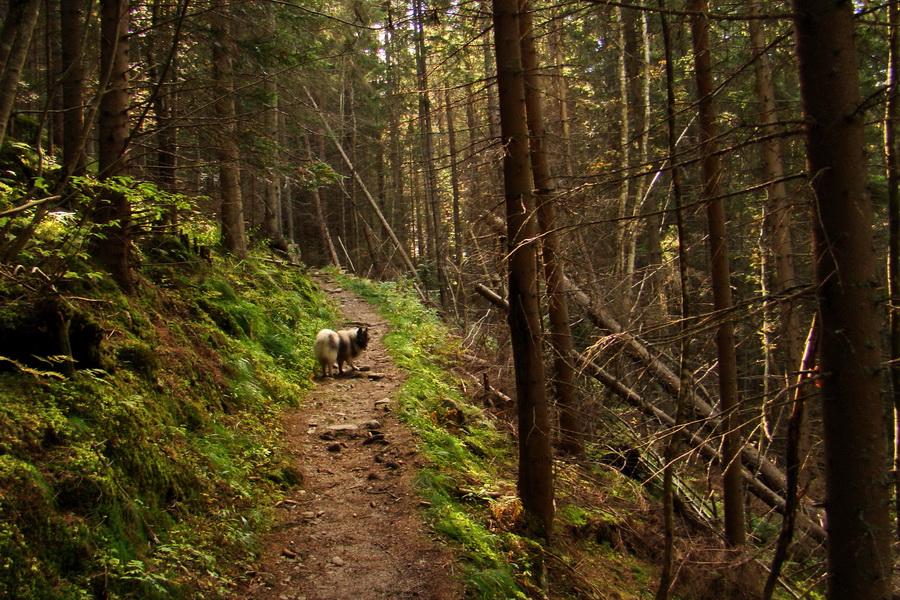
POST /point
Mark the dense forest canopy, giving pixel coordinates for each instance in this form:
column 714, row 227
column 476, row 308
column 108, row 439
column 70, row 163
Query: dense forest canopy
column 661, row 196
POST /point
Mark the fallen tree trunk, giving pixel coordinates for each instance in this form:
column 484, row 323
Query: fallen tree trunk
column 764, row 479
column 701, row 400
column 757, row 487
column 492, row 297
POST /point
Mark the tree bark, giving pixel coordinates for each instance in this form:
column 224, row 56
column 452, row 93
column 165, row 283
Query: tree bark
column 794, row 458
column 234, row 237
column 624, row 209
column 397, row 209
column 648, row 205
column 777, row 209
column 112, row 249
column 14, row 45
column 562, row 95
column 535, row 482
column 273, row 222
column 432, row 192
column 685, row 390
column 321, row 218
column 165, row 100
column 892, row 155
column 857, row 499
column 71, row 61
column 571, row 423
column 288, row 222
column 459, row 293
column 732, row 490
column 454, row 184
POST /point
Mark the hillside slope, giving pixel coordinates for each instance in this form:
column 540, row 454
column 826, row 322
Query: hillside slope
column 159, row 458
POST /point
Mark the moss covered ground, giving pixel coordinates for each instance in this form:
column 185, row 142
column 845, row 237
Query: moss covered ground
column 148, row 473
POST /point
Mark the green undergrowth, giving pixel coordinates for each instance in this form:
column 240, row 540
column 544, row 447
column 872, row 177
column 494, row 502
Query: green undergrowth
column 469, row 479
column 466, row 482
column 149, row 472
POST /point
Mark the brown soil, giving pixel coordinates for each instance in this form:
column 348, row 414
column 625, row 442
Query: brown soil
column 356, row 530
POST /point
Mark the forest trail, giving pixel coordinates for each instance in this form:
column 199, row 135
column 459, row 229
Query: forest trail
column 355, row 531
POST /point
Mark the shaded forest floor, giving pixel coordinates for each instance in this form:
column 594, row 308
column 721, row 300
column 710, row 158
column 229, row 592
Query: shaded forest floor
column 355, row 529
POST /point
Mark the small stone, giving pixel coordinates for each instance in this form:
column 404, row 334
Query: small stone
column 288, row 553
column 337, row 561
column 372, row 424
column 308, row 514
column 342, row 427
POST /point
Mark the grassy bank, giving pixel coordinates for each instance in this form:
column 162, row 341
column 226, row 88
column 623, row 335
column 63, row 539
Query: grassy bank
column 148, row 472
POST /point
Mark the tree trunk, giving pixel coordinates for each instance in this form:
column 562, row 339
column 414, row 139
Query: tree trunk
column 432, row 193
column 164, row 102
column 454, row 183
column 489, row 74
column 562, row 95
column 857, row 499
column 397, row 208
column 14, row 45
column 777, row 208
column 793, row 459
column 287, row 187
column 685, row 389
column 535, row 483
column 459, row 293
column 571, row 424
column 112, row 249
column 71, row 42
column 733, row 495
column 228, row 153
column 648, row 206
column 273, row 223
column 623, row 210
column 892, row 155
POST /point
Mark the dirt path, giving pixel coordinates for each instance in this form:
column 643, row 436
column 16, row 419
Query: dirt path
column 355, row 532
